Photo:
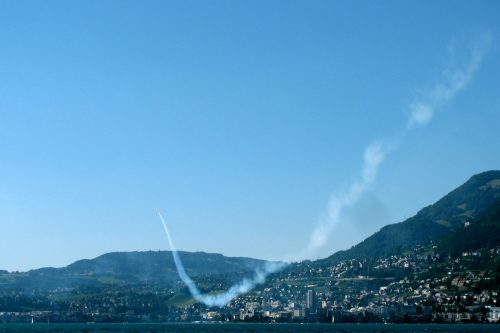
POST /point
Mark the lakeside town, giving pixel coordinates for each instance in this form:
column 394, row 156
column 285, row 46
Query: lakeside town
column 418, row 287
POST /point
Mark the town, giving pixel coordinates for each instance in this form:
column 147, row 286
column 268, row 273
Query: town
column 420, row 286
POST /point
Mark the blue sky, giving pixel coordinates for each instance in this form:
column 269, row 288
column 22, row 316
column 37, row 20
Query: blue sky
column 239, row 120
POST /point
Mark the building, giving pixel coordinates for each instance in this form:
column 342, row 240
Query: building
column 494, row 314
column 310, row 300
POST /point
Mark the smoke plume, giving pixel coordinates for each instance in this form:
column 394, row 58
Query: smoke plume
column 224, row 298
column 421, row 111
column 455, row 79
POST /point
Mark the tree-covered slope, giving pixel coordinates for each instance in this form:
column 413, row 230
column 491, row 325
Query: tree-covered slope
column 159, row 265
column 479, row 234
column 126, row 268
column 433, row 223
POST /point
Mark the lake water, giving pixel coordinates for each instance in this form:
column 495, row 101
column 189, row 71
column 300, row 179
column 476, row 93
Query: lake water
column 244, row 328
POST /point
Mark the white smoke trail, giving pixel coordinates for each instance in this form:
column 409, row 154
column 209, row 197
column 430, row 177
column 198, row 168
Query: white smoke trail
column 373, row 156
column 224, row 298
column 422, row 111
column 456, row 79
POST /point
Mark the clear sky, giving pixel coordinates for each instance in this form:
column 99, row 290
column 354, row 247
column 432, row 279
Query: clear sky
column 238, row 119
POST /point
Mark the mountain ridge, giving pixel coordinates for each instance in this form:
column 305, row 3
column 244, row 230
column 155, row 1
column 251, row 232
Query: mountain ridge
column 463, row 204
column 130, row 267
column 474, row 202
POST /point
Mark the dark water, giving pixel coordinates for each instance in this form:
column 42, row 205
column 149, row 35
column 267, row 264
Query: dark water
column 244, row 328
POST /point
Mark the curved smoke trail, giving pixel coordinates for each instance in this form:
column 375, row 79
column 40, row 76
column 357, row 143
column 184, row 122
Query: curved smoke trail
column 224, row 298
column 421, row 111
column 373, row 156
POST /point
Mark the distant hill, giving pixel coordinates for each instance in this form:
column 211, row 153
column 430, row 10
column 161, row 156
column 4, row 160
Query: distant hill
column 159, row 265
column 128, row 267
column 472, row 202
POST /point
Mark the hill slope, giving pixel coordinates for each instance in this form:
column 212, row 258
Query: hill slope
column 433, row 223
column 481, row 233
column 128, row 267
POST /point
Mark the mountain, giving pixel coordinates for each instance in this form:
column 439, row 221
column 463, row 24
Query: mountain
column 471, row 202
column 466, row 219
column 128, row 267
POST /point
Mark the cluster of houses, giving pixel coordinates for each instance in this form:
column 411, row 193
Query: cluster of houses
column 421, row 286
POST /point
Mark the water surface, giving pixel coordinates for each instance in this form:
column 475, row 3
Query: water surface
column 246, row 328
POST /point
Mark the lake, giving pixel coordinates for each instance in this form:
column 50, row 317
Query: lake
column 245, row 328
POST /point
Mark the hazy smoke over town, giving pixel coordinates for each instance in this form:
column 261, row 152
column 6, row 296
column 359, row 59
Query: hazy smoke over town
column 421, row 111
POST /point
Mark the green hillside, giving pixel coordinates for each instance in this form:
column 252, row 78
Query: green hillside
column 482, row 233
column 467, row 203
column 128, row 268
